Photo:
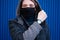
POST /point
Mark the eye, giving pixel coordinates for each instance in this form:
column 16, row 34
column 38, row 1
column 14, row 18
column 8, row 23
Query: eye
column 31, row 5
column 24, row 5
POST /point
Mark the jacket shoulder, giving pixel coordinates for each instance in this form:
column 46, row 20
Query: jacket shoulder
column 17, row 20
column 12, row 21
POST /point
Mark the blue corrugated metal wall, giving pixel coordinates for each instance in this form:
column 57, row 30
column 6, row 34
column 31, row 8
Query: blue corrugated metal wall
column 8, row 11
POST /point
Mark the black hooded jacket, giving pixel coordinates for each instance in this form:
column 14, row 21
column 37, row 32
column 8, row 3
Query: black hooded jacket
column 20, row 30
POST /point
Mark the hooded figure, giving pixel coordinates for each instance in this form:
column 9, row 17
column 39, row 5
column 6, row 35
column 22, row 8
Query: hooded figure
column 29, row 24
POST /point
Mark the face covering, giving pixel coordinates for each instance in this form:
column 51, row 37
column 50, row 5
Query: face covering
column 28, row 14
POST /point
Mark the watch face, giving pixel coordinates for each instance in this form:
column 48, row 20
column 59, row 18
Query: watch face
column 39, row 21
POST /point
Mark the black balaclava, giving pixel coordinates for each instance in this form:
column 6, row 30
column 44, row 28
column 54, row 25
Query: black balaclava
column 28, row 14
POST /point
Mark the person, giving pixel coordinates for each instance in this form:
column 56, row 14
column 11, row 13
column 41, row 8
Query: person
column 30, row 22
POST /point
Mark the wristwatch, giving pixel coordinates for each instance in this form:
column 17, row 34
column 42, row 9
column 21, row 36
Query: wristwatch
column 39, row 21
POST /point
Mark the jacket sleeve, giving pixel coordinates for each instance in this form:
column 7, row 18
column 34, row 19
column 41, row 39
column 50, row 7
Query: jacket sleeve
column 29, row 34
column 44, row 33
column 15, row 31
column 32, row 31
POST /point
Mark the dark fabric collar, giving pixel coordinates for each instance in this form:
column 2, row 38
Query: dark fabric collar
column 19, row 20
column 22, row 21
